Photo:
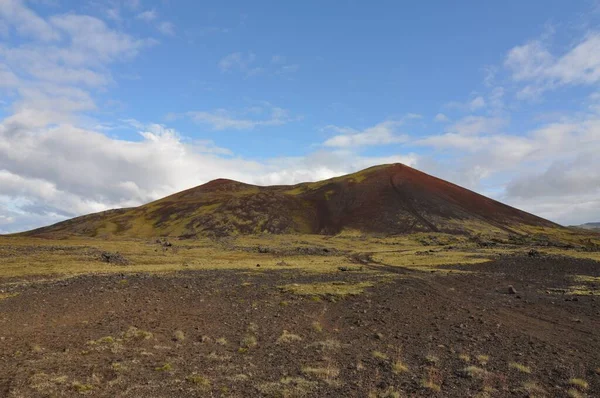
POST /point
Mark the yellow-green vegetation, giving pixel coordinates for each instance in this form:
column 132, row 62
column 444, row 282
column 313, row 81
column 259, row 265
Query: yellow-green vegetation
column 134, row 333
column 167, row 367
column 473, row 372
column 323, row 373
column 430, row 260
column 389, row 392
column 82, row 388
column 221, row 341
column 533, row 389
column 60, row 258
column 248, row 341
column 587, row 279
column 380, row 355
column 588, row 286
column 520, row 367
column 431, row 381
column 465, row 357
column 573, row 393
column 8, row 295
column 199, row 380
column 399, row 367
column 579, row 383
column 338, row 289
column 287, row 337
column 432, row 359
column 179, row 335
column 327, row 345
column 316, row 325
column 102, row 340
column 47, row 384
column 483, row 359
column 106, row 343
column 288, row 387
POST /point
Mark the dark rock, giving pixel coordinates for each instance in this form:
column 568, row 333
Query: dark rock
column 113, row 258
column 512, row 290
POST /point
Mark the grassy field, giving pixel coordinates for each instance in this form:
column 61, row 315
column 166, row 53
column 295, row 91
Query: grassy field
column 350, row 251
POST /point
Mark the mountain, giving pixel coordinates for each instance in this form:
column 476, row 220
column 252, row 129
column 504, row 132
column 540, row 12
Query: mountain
column 594, row 226
column 387, row 199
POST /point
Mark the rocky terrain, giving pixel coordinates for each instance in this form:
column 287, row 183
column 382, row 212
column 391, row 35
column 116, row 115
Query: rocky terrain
column 501, row 322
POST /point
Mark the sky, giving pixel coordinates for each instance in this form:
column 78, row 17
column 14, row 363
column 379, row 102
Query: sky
column 107, row 104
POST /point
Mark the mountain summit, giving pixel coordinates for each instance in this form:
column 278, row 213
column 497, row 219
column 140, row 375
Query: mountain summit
column 387, row 199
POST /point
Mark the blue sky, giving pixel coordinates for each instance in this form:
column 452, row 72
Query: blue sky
column 115, row 103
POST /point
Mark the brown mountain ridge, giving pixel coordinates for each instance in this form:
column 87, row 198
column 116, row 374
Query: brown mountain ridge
column 386, row 199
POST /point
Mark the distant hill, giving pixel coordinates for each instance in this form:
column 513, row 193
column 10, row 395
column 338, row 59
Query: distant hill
column 594, row 226
column 387, row 199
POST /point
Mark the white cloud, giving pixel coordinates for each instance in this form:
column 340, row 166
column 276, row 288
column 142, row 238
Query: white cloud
column 533, row 63
column 54, row 79
column 247, row 119
column 477, row 125
column 477, row 103
column 246, row 63
column 550, row 171
column 148, row 15
column 237, row 61
column 166, row 28
column 79, row 171
column 26, row 22
column 441, row 118
column 380, row 134
column 473, row 105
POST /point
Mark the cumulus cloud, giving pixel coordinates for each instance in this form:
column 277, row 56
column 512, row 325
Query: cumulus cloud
column 51, row 169
column 54, row 79
column 551, row 170
column 26, row 22
column 477, row 125
column 441, row 118
column 473, row 105
column 534, row 64
column 77, row 171
column 148, row 15
column 238, row 61
column 246, row 119
column 380, row 134
column 166, row 28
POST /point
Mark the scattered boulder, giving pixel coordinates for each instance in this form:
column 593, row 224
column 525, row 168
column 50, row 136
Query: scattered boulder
column 511, row 289
column 113, row 258
column 164, row 242
column 533, row 253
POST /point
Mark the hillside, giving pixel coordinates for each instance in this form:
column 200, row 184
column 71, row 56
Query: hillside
column 387, row 199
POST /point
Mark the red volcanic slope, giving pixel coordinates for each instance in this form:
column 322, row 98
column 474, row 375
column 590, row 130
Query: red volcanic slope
column 388, row 199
